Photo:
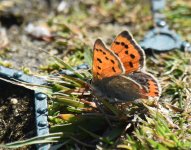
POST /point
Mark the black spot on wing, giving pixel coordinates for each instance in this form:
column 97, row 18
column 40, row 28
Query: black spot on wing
column 131, row 64
column 126, row 46
column 113, row 69
column 99, row 60
column 156, row 93
column 106, row 58
column 117, row 43
column 122, row 43
column 112, row 61
column 132, row 56
column 126, row 52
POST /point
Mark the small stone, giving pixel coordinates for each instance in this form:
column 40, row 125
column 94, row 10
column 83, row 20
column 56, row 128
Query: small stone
column 14, row 101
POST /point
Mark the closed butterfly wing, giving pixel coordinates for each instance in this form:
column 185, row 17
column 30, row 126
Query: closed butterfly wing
column 105, row 62
column 129, row 52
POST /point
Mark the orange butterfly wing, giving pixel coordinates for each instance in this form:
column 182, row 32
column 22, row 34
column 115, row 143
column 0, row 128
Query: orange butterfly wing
column 105, row 62
column 129, row 52
column 150, row 85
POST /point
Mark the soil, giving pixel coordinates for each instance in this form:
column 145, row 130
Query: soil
column 22, row 48
column 17, row 118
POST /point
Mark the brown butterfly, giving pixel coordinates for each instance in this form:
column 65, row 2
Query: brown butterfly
column 118, row 72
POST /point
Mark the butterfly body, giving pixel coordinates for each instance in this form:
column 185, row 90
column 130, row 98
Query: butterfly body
column 118, row 73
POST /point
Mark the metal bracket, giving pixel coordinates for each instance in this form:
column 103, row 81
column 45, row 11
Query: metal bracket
column 161, row 38
column 40, row 100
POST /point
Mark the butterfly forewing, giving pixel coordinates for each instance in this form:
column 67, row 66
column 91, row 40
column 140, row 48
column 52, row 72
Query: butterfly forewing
column 105, row 62
column 129, row 52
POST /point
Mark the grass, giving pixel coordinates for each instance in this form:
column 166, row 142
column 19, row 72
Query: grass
column 163, row 126
column 148, row 125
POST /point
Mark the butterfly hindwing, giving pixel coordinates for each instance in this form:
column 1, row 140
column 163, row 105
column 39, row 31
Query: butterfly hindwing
column 105, row 62
column 149, row 85
column 129, row 52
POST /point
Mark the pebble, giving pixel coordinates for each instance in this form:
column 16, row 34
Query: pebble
column 14, row 101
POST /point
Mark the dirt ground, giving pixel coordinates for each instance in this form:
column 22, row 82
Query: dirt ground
column 22, row 48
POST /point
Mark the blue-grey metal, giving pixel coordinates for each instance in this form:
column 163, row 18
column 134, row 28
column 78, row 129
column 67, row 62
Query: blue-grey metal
column 40, row 100
column 161, row 38
column 157, row 6
column 41, row 111
column 70, row 73
column 19, row 75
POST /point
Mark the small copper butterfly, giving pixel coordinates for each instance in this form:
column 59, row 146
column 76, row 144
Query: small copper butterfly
column 119, row 72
